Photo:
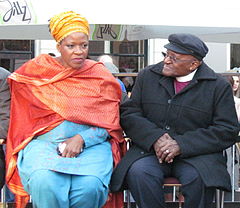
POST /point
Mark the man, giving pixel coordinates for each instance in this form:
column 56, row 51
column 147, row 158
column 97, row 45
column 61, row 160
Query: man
column 180, row 118
column 4, row 118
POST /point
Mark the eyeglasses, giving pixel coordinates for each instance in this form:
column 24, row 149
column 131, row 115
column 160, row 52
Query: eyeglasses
column 174, row 58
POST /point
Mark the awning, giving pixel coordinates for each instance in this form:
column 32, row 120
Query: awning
column 213, row 21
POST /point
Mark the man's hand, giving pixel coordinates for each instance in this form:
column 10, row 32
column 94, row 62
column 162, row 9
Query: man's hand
column 166, row 148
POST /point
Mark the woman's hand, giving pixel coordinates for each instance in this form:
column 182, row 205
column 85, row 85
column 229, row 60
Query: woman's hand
column 74, row 146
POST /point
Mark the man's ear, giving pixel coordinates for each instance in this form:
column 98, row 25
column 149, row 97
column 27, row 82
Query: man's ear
column 195, row 64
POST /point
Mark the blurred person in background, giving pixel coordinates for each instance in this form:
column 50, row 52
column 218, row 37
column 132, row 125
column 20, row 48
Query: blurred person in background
column 108, row 63
column 233, row 160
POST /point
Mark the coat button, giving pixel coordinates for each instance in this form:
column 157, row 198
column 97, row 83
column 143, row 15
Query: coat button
column 169, row 101
column 167, row 127
column 142, row 153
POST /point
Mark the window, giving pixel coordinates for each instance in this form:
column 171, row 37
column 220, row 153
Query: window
column 128, row 56
column 235, row 55
column 14, row 53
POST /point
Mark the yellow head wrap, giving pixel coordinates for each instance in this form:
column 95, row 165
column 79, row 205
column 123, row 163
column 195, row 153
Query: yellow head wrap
column 65, row 23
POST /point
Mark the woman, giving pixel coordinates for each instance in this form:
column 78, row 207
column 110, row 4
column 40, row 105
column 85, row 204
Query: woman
column 235, row 84
column 233, row 162
column 235, row 87
column 64, row 128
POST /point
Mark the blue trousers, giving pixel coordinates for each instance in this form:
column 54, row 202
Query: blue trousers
column 145, row 180
column 57, row 190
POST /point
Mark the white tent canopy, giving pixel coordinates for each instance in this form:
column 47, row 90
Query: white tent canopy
column 213, row 21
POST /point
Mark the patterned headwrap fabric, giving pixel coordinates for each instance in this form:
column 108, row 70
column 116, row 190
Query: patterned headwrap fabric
column 65, row 23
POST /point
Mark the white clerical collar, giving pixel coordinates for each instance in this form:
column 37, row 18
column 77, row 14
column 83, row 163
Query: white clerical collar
column 186, row 78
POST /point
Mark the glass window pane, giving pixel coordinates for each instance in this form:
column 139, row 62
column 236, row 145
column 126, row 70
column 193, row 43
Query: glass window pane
column 235, row 55
column 96, row 48
column 15, row 45
column 14, row 53
column 129, row 55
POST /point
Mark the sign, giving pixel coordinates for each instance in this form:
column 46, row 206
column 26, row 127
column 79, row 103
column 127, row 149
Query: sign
column 108, row 32
column 16, row 12
column 20, row 13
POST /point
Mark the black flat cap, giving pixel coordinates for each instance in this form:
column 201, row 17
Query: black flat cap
column 187, row 44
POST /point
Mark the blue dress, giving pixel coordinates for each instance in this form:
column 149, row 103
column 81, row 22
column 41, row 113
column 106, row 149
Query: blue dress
column 41, row 153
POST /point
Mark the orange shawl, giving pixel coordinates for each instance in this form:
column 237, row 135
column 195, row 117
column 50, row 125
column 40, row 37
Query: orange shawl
column 44, row 94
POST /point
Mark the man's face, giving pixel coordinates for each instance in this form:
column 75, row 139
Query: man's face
column 177, row 65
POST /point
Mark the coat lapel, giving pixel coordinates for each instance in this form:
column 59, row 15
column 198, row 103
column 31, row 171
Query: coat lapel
column 203, row 73
column 167, row 83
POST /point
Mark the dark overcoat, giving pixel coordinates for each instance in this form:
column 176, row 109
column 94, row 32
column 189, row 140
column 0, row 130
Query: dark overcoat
column 4, row 117
column 201, row 118
column 4, row 103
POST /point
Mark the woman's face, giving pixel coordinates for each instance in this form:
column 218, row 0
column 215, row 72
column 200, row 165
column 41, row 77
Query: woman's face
column 235, row 83
column 73, row 50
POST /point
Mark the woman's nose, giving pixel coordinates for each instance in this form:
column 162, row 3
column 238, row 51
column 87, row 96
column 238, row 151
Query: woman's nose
column 78, row 49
